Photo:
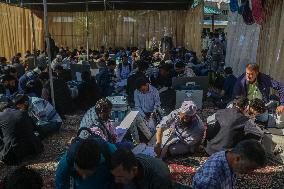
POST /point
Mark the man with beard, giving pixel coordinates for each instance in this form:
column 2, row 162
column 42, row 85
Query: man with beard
column 186, row 129
column 8, row 86
column 254, row 84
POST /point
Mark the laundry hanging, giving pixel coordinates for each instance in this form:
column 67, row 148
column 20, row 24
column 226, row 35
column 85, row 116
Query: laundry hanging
column 246, row 12
column 257, row 11
column 234, row 5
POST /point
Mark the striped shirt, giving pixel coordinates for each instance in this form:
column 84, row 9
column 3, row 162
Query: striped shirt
column 215, row 173
column 90, row 120
column 42, row 111
column 146, row 103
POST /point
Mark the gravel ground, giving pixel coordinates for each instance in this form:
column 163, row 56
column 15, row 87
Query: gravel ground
column 271, row 176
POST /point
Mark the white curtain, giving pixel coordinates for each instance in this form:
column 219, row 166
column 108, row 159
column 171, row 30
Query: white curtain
column 242, row 43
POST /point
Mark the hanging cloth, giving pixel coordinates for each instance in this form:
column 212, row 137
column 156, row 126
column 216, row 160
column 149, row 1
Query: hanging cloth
column 247, row 13
column 257, row 11
column 234, row 5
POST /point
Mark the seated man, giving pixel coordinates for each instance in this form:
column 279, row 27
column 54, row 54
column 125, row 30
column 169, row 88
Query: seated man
column 131, row 81
column 62, row 94
column 41, row 111
column 86, row 164
column 22, row 178
column 183, row 71
column 146, row 98
column 28, row 77
column 17, row 138
column 140, row 171
column 219, row 171
column 224, row 96
column 147, row 102
column 88, row 92
column 254, row 84
column 124, row 68
column 187, row 131
column 105, row 78
column 8, row 87
column 98, row 120
column 163, row 83
column 227, row 127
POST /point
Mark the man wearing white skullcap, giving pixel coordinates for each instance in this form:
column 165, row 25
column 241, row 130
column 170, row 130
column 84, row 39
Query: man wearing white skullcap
column 187, row 130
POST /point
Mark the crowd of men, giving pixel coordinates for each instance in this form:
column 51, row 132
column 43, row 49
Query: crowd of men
column 95, row 157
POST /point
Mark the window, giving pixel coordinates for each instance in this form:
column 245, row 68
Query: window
column 62, row 19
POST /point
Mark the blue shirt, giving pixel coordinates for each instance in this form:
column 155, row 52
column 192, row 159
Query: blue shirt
column 123, row 71
column 25, row 79
column 42, row 111
column 215, row 174
column 146, row 103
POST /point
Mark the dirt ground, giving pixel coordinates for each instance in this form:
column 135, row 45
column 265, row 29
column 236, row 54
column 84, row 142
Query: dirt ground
column 271, row 176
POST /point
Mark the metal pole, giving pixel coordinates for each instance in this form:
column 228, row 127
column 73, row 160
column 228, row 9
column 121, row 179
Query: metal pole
column 34, row 40
column 87, row 28
column 105, row 8
column 47, row 40
column 213, row 18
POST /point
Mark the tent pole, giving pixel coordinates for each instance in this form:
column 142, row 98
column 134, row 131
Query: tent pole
column 213, row 19
column 34, row 40
column 105, row 8
column 87, row 28
column 47, row 40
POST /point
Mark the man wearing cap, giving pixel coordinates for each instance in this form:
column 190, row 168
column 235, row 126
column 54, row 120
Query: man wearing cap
column 186, row 131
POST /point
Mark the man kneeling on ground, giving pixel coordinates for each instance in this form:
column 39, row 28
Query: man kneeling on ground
column 187, row 131
column 219, row 171
column 227, row 127
column 41, row 111
column 86, row 162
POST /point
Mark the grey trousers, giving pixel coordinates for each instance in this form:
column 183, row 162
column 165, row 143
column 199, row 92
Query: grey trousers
column 146, row 127
column 175, row 147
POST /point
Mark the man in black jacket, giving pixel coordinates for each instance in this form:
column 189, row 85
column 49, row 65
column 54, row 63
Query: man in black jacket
column 17, row 138
column 227, row 127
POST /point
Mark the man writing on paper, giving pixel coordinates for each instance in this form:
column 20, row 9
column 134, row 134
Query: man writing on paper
column 187, row 131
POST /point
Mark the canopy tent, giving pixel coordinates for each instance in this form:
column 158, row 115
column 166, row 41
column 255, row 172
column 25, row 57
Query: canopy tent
column 98, row 5
column 116, row 28
column 262, row 44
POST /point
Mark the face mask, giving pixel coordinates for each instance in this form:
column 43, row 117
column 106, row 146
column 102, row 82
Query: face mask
column 262, row 117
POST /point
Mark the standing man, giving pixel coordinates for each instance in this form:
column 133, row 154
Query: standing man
column 254, row 84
